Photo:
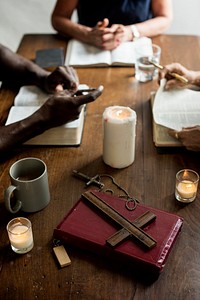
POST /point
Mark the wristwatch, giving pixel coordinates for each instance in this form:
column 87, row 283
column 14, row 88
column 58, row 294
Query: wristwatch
column 135, row 32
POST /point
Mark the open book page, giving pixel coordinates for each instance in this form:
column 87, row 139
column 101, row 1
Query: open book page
column 161, row 138
column 125, row 53
column 177, row 108
column 84, row 55
column 81, row 54
column 30, row 96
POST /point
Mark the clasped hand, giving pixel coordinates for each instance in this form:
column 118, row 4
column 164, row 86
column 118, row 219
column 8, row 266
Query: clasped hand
column 108, row 38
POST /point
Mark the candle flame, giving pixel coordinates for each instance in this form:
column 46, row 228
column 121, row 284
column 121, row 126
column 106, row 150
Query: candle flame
column 122, row 113
column 119, row 112
column 185, row 174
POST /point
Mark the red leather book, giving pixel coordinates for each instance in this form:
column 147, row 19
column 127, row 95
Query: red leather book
column 86, row 227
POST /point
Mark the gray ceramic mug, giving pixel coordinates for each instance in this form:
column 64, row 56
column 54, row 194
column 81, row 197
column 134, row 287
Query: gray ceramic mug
column 29, row 186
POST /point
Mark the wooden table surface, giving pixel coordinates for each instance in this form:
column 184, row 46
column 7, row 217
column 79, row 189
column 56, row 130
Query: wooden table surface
column 151, row 178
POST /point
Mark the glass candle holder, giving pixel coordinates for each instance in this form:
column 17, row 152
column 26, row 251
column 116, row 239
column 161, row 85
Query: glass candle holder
column 186, row 185
column 20, row 235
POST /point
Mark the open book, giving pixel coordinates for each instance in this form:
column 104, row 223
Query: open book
column 27, row 101
column 174, row 109
column 83, row 55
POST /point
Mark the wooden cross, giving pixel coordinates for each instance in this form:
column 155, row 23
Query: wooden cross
column 122, row 234
column 132, row 229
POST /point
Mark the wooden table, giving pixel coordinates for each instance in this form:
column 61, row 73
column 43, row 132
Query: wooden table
column 150, row 178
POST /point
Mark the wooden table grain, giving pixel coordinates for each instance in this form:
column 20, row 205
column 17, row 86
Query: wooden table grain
column 151, row 178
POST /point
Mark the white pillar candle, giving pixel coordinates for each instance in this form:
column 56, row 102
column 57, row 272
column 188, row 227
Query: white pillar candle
column 119, row 124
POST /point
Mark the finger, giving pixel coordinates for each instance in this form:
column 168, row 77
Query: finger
column 99, row 24
column 176, row 67
column 59, row 88
column 69, row 77
column 83, row 91
column 74, row 73
column 65, row 93
column 90, row 97
column 110, row 45
column 173, row 83
column 108, row 37
column 106, row 22
column 103, row 24
column 173, row 133
column 189, row 128
column 119, row 31
column 115, row 28
column 69, row 72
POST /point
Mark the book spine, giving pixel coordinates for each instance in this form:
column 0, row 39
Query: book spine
column 169, row 243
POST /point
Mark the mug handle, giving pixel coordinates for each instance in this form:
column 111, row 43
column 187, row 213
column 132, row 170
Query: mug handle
column 7, row 197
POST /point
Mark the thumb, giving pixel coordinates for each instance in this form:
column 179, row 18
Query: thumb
column 173, row 133
column 90, row 97
column 103, row 24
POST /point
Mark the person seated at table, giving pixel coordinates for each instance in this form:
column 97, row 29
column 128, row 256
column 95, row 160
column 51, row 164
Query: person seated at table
column 106, row 24
column 190, row 136
column 61, row 107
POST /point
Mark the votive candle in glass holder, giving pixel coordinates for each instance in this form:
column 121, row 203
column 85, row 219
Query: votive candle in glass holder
column 20, row 235
column 186, row 185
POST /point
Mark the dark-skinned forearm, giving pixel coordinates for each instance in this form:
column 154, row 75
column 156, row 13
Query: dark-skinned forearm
column 14, row 135
column 18, row 70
